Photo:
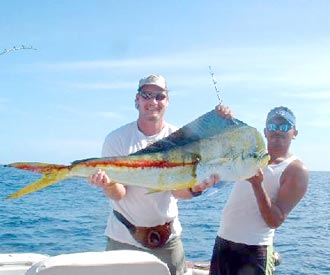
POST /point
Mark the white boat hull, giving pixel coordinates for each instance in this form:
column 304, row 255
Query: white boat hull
column 19, row 263
column 121, row 262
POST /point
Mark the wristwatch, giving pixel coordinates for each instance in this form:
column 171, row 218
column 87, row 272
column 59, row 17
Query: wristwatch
column 194, row 193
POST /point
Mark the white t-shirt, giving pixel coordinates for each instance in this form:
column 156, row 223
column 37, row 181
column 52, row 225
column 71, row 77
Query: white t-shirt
column 138, row 207
column 241, row 220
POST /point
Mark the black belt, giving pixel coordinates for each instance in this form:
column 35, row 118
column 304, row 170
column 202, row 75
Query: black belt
column 151, row 237
column 123, row 220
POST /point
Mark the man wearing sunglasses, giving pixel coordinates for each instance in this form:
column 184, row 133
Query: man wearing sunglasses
column 142, row 221
column 259, row 205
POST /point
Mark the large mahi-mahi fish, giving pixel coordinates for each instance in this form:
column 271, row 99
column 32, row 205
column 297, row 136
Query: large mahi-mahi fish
column 208, row 145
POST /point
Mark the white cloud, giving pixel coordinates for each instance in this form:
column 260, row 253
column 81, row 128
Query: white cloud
column 82, row 113
column 4, row 100
column 102, row 85
column 325, row 123
column 286, row 66
column 312, row 95
column 110, row 115
column 112, row 64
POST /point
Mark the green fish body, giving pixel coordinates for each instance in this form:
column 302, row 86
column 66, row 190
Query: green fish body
column 208, row 145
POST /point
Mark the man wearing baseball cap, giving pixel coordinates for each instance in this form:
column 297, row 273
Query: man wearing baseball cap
column 156, row 80
column 139, row 220
column 282, row 112
column 259, row 205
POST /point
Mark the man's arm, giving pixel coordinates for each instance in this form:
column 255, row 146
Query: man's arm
column 113, row 190
column 293, row 186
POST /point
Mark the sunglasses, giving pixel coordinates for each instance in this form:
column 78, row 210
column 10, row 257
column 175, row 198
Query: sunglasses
column 272, row 127
column 149, row 96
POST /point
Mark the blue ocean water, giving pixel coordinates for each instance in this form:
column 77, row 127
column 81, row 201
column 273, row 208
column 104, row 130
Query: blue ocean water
column 71, row 217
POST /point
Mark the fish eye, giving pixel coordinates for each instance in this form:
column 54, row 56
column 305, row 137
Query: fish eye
column 254, row 155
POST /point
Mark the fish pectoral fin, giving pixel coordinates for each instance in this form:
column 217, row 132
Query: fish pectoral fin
column 179, row 186
column 153, row 191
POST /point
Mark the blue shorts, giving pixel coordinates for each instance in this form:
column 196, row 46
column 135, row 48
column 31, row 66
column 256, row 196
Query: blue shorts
column 230, row 258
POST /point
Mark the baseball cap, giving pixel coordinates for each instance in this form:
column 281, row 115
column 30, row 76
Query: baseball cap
column 283, row 112
column 153, row 79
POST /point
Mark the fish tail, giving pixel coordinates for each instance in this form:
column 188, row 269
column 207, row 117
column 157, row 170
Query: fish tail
column 52, row 174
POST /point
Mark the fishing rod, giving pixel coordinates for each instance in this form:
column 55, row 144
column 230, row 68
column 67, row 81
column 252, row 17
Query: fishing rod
column 218, row 92
column 215, row 188
column 17, row 49
column 215, row 85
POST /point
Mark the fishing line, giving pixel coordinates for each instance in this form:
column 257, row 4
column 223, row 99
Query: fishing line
column 17, row 49
column 219, row 185
column 218, row 92
column 215, row 85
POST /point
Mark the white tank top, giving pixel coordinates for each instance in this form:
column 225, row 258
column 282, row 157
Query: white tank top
column 241, row 220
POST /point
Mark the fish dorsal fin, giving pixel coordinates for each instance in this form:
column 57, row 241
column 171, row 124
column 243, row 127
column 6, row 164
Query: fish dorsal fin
column 205, row 126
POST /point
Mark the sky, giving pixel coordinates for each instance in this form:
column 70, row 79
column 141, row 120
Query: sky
column 69, row 70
